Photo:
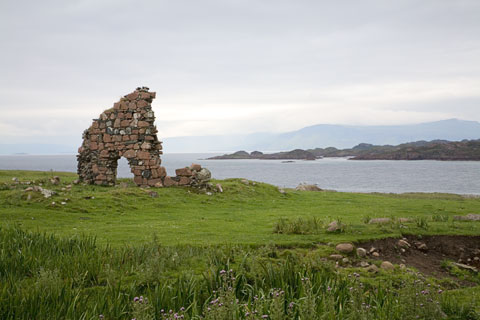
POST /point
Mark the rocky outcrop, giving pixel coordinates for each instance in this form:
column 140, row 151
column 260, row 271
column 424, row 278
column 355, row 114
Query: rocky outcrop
column 127, row 130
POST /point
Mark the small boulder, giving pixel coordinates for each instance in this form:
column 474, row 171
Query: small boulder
column 336, row 257
column 361, row 252
column 333, row 226
column 468, row 217
column 364, row 264
column 386, row 265
column 403, row 244
column 372, row 268
column 219, row 188
column 344, row 247
column 379, row 220
column 308, row 187
column 376, row 254
column 282, row 191
column 421, row 246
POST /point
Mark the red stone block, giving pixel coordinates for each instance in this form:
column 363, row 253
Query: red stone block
column 186, row 172
column 153, row 182
column 134, row 137
column 125, row 138
column 94, row 137
column 143, row 124
column 162, row 172
column 93, row 146
column 104, row 154
column 142, row 103
column 168, row 181
column 132, row 96
column 143, row 155
column 184, row 181
column 120, row 115
column 107, row 138
column 138, row 180
column 129, row 154
column 125, row 123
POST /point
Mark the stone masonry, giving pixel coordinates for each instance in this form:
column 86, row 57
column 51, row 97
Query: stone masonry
column 128, row 130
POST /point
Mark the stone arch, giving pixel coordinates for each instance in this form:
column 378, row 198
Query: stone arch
column 126, row 130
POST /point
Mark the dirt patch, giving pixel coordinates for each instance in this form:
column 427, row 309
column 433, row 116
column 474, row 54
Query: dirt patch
column 428, row 259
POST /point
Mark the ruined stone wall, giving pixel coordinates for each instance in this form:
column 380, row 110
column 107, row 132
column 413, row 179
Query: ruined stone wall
column 128, row 130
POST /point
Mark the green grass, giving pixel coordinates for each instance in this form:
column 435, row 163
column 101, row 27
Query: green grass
column 107, row 245
column 242, row 214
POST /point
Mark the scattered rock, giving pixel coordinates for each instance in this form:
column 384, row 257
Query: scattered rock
column 345, row 260
column 386, row 265
column 245, row 181
column 403, row 244
column 333, row 226
column 379, row 220
column 465, row 267
column 361, row 252
column 307, row 187
column 404, row 220
column 376, row 254
column 208, row 193
column 421, row 246
column 55, row 180
column 402, row 266
column 336, row 257
column 153, row 194
column 77, row 181
column 364, row 264
column 281, row 191
column 28, row 189
column 219, row 188
column 468, row 217
column 372, row 250
column 15, row 179
column 372, row 268
column 344, row 247
column 158, row 185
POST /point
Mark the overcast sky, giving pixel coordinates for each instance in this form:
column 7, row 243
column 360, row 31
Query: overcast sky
column 236, row 66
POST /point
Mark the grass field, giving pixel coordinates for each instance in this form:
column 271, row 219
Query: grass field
column 242, row 214
column 250, row 252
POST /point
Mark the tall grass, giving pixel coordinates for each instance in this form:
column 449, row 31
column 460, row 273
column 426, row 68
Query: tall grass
column 44, row 277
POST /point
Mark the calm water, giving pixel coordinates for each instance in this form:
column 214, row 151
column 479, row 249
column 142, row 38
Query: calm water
column 460, row 177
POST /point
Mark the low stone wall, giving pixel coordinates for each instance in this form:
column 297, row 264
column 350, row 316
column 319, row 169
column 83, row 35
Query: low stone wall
column 128, row 130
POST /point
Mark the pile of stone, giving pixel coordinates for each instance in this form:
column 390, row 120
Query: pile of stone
column 194, row 175
column 128, row 130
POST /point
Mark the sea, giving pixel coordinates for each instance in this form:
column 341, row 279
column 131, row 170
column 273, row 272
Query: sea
column 340, row 174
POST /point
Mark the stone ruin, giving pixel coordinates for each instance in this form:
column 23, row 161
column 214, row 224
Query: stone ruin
column 127, row 130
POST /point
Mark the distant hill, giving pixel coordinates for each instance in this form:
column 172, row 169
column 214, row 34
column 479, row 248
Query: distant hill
column 466, row 150
column 324, row 135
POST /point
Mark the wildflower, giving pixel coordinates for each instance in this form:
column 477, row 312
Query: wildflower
column 440, row 290
column 101, row 316
column 264, row 316
column 182, row 309
column 222, row 271
column 209, row 309
column 329, row 289
column 136, row 299
column 247, row 314
column 291, row 305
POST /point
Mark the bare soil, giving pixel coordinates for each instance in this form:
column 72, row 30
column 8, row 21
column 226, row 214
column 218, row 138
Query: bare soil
column 461, row 249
